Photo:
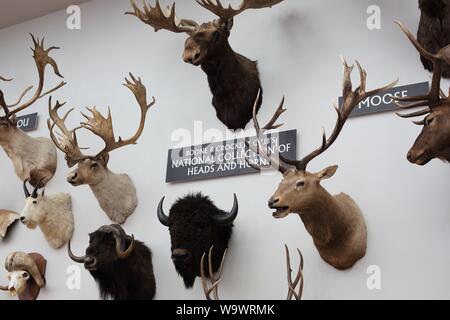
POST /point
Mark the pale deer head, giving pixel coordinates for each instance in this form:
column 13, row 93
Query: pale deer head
column 434, row 139
column 33, row 158
column 115, row 192
column 233, row 79
column 335, row 222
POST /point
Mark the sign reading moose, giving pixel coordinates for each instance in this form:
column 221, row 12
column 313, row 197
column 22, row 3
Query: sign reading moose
column 233, row 79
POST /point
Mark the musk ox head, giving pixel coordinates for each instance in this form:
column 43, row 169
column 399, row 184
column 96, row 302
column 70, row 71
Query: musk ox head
column 195, row 225
column 120, row 265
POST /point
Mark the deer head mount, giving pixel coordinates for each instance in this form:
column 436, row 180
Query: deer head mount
column 33, row 158
column 334, row 222
column 26, row 274
column 434, row 140
column 115, row 193
column 434, row 30
column 233, row 79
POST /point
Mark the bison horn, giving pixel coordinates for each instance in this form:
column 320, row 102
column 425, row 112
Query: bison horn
column 25, row 189
column 74, row 257
column 125, row 254
column 161, row 215
column 22, row 261
column 227, row 219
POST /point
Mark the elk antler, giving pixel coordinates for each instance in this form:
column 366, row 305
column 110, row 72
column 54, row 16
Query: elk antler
column 436, row 96
column 214, row 279
column 163, row 18
column 42, row 59
column 103, row 128
column 228, row 13
column 66, row 140
column 298, row 279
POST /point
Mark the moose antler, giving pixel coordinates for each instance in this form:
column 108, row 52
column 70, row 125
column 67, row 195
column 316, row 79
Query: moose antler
column 351, row 99
column 298, row 279
column 214, row 279
column 163, row 18
column 436, row 96
column 227, row 13
column 103, row 128
column 42, row 59
column 66, row 140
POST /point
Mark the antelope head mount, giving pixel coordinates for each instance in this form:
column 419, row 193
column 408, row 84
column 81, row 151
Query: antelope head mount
column 334, row 222
column 434, row 139
column 33, row 158
column 233, row 79
column 115, row 193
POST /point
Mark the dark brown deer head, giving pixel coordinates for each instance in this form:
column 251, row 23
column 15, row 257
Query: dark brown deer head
column 233, row 79
column 434, row 140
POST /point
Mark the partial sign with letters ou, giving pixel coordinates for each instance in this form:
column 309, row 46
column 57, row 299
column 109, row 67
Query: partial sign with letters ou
column 385, row 102
column 227, row 158
column 28, row 122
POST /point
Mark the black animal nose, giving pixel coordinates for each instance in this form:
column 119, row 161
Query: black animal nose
column 409, row 156
column 197, row 55
column 22, row 219
column 273, row 202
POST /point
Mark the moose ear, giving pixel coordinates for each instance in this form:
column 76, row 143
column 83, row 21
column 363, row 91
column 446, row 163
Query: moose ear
column 104, row 158
column 226, row 25
column 327, row 173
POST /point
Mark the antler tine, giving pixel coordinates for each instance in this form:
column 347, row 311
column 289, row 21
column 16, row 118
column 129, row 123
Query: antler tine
column 160, row 18
column 227, row 13
column 415, row 114
column 42, row 59
column 351, row 99
column 5, row 79
column 298, row 279
column 215, row 280
column 103, row 127
column 66, row 141
column 282, row 167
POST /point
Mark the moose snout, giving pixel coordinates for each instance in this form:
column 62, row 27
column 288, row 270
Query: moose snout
column 192, row 57
column 180, row 255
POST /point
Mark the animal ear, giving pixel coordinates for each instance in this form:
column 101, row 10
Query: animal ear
column 104, row 159
column 327, row 173
column 226, row 25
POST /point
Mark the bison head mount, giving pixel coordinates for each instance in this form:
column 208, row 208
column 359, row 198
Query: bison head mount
column 121, row 265
column 195, row 225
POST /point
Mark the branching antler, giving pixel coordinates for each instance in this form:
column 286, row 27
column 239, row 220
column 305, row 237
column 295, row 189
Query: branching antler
column 163, row 18
column 436, row 96
column 292, row 293
column 214, row 279
column 224, row 14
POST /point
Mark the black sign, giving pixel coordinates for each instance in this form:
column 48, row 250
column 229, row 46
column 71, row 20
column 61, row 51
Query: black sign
column 227, row 158
column 28, row 122
column 385, row 101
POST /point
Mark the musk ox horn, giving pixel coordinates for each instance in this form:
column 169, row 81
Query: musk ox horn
column 25, row 189
column 120, row 236
column 74, row 257
column 21, row 261
column 125, row 254
column 161, row 215
column 228, row 218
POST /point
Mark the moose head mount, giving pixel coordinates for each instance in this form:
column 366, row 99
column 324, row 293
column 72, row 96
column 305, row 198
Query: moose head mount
column 115, row 193
column 434, row 30
column 26, row 274
column 434, row 140
column 335, row 222
column 33, row 158
column 53, row 214
column 195, row 225
column 121, row 265
column 233, row 79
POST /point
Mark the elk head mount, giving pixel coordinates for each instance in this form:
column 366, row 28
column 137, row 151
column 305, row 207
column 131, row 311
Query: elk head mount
column 434, row 140
column 334, row 222
column 434, row 30
column 33, row 158
column 115, row 193
column 26, row 274
column 233, row 79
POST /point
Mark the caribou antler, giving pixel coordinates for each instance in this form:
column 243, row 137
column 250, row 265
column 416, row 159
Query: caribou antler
column 228, row 13
column 163, row 18
column 436, row 96
column 298, row 279
column 103, row 128
column 42, row 59
column 214, row 279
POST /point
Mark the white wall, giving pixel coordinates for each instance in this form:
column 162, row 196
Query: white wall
column 298, row 44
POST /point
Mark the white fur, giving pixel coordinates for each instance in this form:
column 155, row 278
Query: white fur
column 18, row 282
column 53, row 214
